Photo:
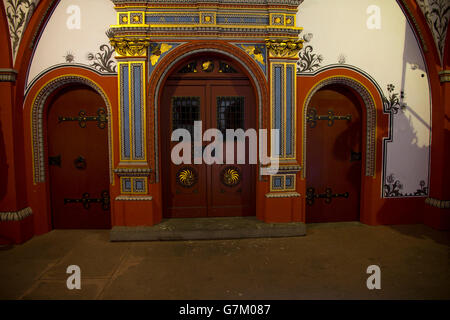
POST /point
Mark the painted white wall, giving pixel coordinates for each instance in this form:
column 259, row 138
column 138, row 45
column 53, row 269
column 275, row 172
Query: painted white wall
column 391, row 55
column 58, row 39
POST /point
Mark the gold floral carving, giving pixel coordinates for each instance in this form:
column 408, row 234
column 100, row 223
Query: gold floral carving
column 130, row 47
column 284, row 48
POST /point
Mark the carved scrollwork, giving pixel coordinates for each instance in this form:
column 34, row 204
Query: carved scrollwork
column 130, row 47
column 284, row 48
column 230, row 176
column 187, row 177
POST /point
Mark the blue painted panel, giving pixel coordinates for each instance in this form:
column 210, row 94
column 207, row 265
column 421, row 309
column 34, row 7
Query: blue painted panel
column 126, row 185
column 125, row 108
column 278, row 113
column 137, row 111
column 289, row 110
column 242, row 19
column 139, row 185
column 175, row 19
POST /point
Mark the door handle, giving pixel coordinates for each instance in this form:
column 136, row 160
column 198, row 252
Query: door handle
column 80, row 163
column 355, row 156
column 55, row 161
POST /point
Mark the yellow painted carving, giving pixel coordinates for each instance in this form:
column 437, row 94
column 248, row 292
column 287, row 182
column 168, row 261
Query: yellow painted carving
column 158, row 51
column 187, row 177
column 231, row 177
column 255, row 53
column 130, row 47
column 284, row 48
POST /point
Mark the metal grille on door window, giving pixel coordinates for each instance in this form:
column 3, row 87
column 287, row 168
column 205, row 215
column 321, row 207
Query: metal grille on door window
column 230, row 113
column 185, row 110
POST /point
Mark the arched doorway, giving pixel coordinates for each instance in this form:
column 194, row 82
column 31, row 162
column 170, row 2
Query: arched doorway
column 77, row 135
column 212, row 89
column 334, row 151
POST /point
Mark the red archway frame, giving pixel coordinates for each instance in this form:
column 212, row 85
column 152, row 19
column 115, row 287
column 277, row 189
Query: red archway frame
column 374, row 210
column 15, row 137
column 440, row 172
column 38, row 194
column 166, row 66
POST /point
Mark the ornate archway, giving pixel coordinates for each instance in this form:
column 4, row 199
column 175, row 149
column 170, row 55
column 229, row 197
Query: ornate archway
column 37, row 121
column 169, row 62
column 371, row 120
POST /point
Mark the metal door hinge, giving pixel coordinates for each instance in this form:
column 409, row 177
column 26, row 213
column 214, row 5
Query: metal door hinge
column 311, row 195
column 86, row 200
column 312, row 117
column 83, row 118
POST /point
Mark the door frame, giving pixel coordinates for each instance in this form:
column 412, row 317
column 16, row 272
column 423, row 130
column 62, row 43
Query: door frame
column 370, row 137
column 177, row 58
column 39, row 134
column 364, row 135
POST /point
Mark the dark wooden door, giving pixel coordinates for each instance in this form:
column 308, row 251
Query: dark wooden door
column 78, row 160
column 333, row 157
column 221, row 101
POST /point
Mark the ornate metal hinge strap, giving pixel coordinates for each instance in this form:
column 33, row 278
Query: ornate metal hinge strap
column 328, row 195
column 312, row 117
column 86, row 200
column 83, row 118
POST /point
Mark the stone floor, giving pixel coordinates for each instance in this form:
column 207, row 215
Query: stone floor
column 330, row 262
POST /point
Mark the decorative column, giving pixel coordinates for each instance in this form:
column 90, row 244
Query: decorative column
column 438, row 204
column 16, row 221
column 133, row 205
column 283, row 57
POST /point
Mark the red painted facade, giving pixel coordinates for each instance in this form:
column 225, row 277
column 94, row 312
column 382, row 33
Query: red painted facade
column 18, row 189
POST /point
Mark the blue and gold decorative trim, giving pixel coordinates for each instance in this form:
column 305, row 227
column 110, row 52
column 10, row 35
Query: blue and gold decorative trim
column 133, row 185
column 282, row 182
column 208, row 18
column 132, row 111
column 283, row 108
column 258, row 52
column 156, row 51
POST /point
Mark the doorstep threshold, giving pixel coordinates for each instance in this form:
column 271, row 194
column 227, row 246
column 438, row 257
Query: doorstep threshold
column 177, row 229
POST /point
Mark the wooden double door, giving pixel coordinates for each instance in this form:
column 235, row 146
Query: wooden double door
column 202, row 189
column 333, row 156
column 78, row 159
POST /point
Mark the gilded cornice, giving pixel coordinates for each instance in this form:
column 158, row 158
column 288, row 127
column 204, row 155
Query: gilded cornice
column 236, row 2
column 130, row 47
column 284, row 48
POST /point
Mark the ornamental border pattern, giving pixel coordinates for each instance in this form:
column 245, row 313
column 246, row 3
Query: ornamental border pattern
column 8, row 75
column 16, row 215
column 37, row 122
column 158, row 91
column 371, row 122
column 240, row 2
column 441, row 204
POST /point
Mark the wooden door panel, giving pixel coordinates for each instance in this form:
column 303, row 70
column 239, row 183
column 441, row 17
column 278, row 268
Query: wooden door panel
column 235, row 198
column 209, row 196
column 329, row 160
column 86, row 148
column 188, row 199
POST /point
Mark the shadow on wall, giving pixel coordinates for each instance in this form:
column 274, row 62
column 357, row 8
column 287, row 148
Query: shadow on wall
column 406, row 146
column 3, row 166
column 404, row 149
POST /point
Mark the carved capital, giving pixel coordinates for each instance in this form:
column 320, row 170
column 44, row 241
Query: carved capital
column 130, row 47
column 284, row 48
